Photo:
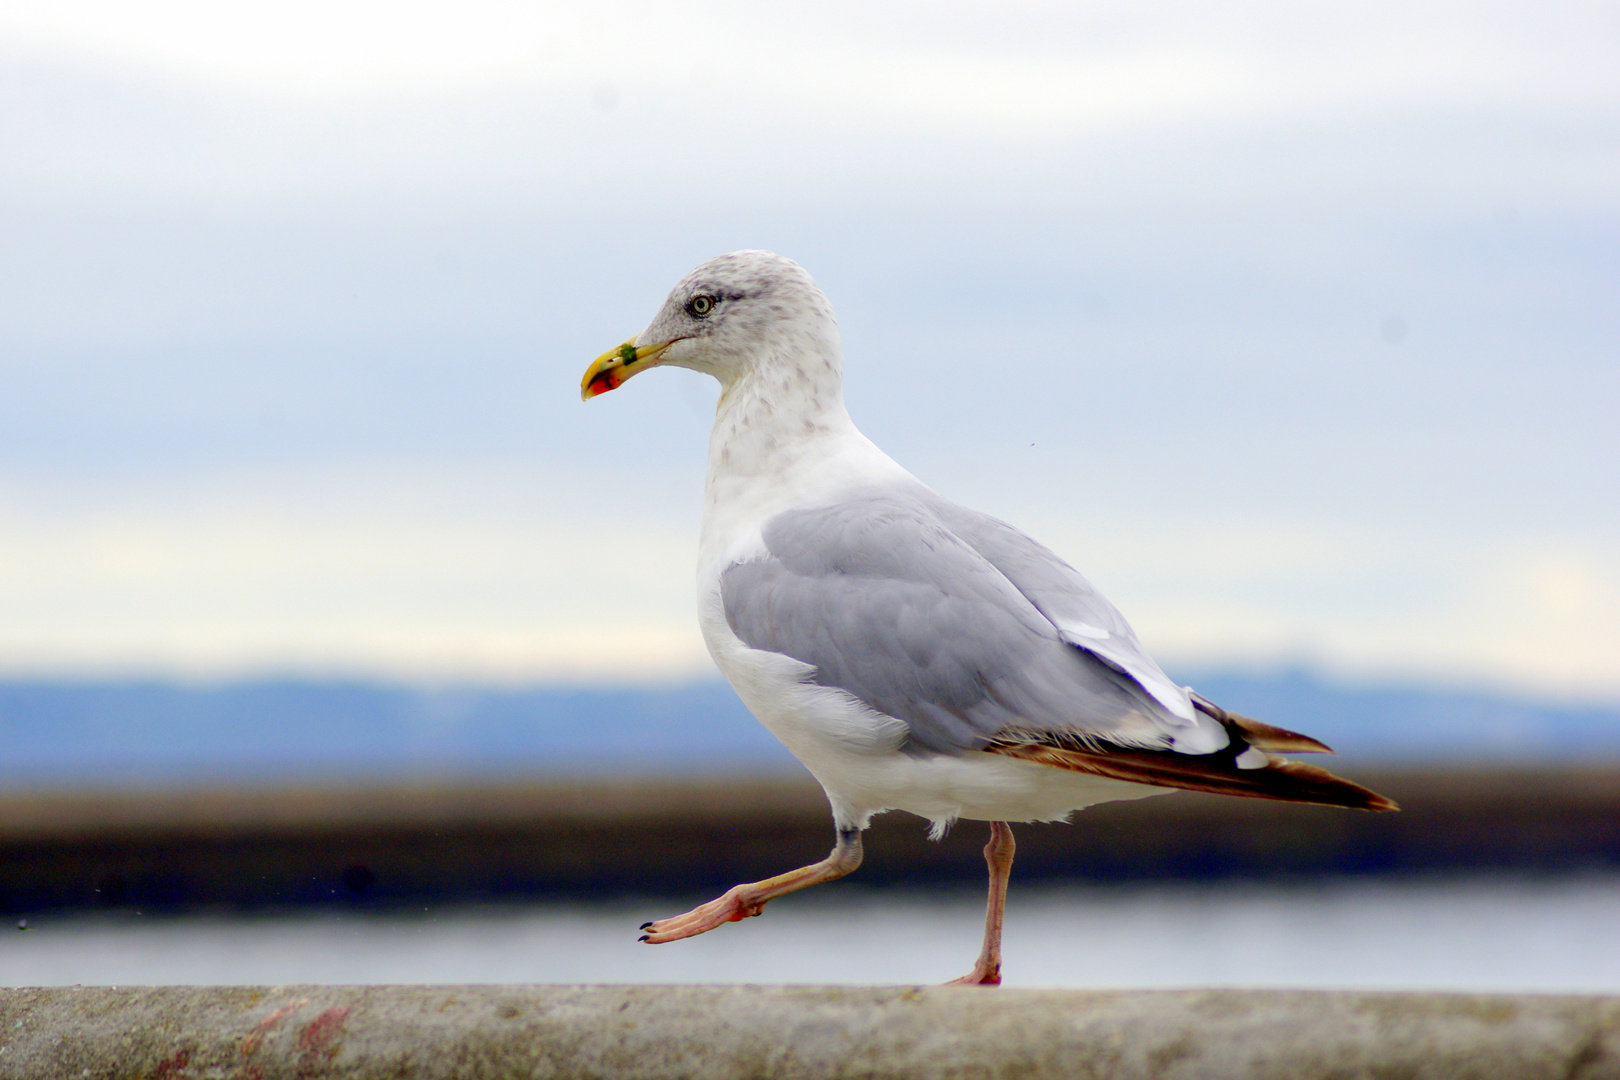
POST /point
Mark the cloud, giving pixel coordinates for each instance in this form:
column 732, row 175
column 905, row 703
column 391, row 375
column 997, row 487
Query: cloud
column 419, row 576
column 297, row 299
column 461, row 574
column 1364, row 600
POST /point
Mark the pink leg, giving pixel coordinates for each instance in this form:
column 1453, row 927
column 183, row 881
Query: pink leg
column 744, row 901
column 998, row 853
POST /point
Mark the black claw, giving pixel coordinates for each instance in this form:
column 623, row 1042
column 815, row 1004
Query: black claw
column 643, row 937
column 645, row 926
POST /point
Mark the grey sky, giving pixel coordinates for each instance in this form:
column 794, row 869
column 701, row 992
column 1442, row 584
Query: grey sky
column 1294, row 330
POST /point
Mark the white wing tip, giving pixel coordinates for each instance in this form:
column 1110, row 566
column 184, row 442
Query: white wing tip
column 1170, row 696
column 1198, row 739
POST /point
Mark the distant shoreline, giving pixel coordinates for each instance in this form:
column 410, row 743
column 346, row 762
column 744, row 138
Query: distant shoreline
column 380, row 845
column 283, row 731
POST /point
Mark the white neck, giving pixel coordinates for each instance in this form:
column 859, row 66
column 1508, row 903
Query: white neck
column 782, row 438
column 768, row 413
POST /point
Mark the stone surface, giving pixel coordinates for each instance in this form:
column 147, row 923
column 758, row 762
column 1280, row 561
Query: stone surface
column 726, row 1032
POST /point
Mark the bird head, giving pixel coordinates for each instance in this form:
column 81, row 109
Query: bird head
column 727, row 318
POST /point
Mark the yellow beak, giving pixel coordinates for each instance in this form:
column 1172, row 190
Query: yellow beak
column 613, row 367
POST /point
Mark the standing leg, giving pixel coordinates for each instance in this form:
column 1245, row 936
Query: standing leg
column 998, row 853
column 747, row 900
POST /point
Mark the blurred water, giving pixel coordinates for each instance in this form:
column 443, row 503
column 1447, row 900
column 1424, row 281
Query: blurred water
column 1470, row 934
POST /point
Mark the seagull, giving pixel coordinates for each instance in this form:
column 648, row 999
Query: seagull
column 912, row 653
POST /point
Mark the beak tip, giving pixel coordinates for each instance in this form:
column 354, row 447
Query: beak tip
column 612, row 368
column 598, row 383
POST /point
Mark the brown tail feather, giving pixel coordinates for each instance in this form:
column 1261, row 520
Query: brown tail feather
column 1264, row 736
column 1287, row 781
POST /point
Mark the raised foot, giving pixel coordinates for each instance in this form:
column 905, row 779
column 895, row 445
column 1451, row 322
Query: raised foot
column 981, row 975
column 734, row 906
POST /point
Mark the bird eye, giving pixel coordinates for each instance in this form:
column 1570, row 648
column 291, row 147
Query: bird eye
column 700, row 305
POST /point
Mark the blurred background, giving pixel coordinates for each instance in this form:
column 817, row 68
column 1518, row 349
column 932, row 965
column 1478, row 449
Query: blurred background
column 340, row 642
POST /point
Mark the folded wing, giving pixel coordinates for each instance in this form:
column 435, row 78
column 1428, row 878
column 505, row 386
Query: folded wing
column 980, row 639
column 887, row 599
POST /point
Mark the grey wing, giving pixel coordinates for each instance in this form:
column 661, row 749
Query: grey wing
column 889, row 604
column 1083, row 616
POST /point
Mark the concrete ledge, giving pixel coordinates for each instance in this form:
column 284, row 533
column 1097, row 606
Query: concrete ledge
column 490, row 1032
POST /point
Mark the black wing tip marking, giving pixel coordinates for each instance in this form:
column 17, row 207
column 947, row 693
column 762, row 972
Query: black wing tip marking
column 1279, row 779
column 1255, row 733
column 1219, row 773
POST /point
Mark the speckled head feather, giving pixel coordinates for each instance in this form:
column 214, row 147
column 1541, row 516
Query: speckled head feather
column 764, row 311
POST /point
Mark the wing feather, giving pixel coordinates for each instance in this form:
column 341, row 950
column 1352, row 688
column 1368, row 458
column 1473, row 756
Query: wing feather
column 1264, row 736
column 980, row 639
column 1280, row 779
column 884, row 598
